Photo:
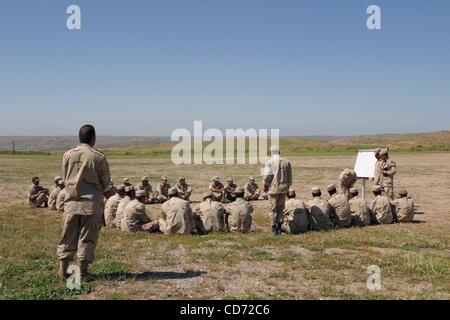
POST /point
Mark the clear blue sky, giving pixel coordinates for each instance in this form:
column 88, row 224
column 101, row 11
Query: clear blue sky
column 149, row 67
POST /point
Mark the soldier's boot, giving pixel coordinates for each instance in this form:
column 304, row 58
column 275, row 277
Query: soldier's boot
column 63, row 266
column 278, row 228
column 85, row 276
column 274, row 229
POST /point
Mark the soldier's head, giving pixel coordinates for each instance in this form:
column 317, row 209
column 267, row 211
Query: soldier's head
column 353, row 192
column 61, row 184
column 331, row 189
column 144, row 181
column 140, row 195
column 173, row 192
column 121, row 191
column 274, row 150
column 35, row 181
column 376, row 190
column 230, row 180
column 126, row 182
column 56, row 180
column 384, row 154
column 206, row 195
column 215, row 179
column 291, row 193
column 87, row 135
column 316, row 192
column 182, row 180
column 252, row 180
column 164, row 180
column 403, row 193
column 130, row 192
column 240, row 192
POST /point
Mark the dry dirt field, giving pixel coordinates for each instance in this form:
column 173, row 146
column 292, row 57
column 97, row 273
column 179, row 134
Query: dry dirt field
column 414, row 258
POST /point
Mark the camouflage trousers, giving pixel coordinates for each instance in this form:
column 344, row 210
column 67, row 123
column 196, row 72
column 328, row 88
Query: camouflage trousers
column 277, row 203
column 79, row 237
column 389, row 191
column 249, row 197
column 40, row 200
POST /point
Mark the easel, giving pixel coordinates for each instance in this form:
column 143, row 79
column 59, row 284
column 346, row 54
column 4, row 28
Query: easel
column 363, row 188
column 365, row 168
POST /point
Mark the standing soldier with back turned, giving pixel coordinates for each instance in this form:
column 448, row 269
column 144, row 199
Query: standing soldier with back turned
column 87, row 177
column 277, row 180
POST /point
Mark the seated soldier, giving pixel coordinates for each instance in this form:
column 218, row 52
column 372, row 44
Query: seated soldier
column 320, row 211
column 212, row 214
column 239, row 213
column 252, row 191
column 112, row 190
column 404, row 207
column 61, row 199
column 217, row 190
column 296, row 218
column 184, row 191
column 229, row 191
column 56, row 183
column 129, row 194
column 162, row 190
column 126, row 182
column 381, row 207
column 342, row 216
column 359, row 209
column 134, row 217
column 112, row 204
column 54, row 195
column 147, row 188
column 177, row 216
column 37, row 195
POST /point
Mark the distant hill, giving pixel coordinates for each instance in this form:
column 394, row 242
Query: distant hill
column 161, row 146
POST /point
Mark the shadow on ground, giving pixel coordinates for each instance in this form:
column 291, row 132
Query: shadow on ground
column 148, row 275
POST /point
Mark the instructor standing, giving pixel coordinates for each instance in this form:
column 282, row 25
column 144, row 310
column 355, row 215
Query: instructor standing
column 277, row 180
column 87, row 177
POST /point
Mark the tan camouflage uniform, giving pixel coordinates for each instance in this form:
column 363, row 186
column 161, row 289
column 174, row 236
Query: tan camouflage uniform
column 212, row 214
column 381, row 208
column 87, row 177
column 296, row 218
column 239, row 215
column 341, row 209
column 177, row 217
column 320, row 212
column 404, row 208
column 111, row 207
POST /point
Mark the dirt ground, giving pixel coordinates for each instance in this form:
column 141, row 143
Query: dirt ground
column 414, row 258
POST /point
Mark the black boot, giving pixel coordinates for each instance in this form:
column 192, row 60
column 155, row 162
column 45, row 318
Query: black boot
column 274, row 229
column 278, row 228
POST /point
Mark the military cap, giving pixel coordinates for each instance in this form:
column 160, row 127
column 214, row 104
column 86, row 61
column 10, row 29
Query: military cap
column 377, row 150
column 240, row 190
column 181, row 178
column 144, row 178
column 163, row 178
column 173, row 192
column 57, row 178
column 121, row 188
column 35, row 178
column 140, row 193
column 129, row 188
column 403, row 192
column 215, row 178
column 125, row 180
column 291, row 191
column 354, row 191
column 331, row 187
column 376, row 189
column 206, row 195
column 383, row 151
column 252, row 178
column 230, row 179
column 315, row 190
column 61, row 182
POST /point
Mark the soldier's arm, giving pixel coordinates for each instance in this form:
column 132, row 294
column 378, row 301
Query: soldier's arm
column 392, row 170
column 104, row 174
column 289, row 174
